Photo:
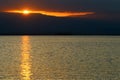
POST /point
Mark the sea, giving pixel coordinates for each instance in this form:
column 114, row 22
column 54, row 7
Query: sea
column 59, row 57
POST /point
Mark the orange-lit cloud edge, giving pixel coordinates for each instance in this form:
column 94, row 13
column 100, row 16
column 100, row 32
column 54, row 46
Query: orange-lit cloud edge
column 50, row 13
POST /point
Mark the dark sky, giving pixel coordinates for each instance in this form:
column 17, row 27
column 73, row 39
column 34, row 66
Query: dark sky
column 100, row 7
column 67, row 5
column 107, row 13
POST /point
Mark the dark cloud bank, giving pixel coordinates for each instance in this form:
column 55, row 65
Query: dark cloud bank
column 105, row 21
column 40, row 24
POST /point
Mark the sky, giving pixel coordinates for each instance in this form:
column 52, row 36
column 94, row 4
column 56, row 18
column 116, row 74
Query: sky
column 102, row 6
column 108, row 10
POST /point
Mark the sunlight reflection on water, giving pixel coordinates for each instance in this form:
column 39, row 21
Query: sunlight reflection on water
column 59, row 58
column 25, row 59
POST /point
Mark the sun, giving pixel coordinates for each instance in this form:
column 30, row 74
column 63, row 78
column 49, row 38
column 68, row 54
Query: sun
column 26, row 12
column 50, row 13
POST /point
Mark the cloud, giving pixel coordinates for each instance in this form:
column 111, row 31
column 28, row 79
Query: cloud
column 51, row 13
column 98, row 6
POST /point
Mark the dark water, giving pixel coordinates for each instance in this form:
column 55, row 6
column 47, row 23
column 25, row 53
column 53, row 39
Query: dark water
column 59, row 58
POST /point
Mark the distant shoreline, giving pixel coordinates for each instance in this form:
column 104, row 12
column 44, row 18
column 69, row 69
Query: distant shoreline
column 60, row 34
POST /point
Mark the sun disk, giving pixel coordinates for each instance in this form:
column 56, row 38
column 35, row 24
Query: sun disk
column 26, row 12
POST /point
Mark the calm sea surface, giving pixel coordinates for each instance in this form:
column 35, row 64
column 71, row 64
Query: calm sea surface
column 59, row 58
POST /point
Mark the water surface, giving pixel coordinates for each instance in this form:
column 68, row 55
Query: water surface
column 59, row 58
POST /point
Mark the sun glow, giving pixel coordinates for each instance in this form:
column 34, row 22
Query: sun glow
column 51, row 13
column 26, row 12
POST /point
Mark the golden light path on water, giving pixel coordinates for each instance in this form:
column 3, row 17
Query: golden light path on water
column 50, row 13
column 25, row 59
